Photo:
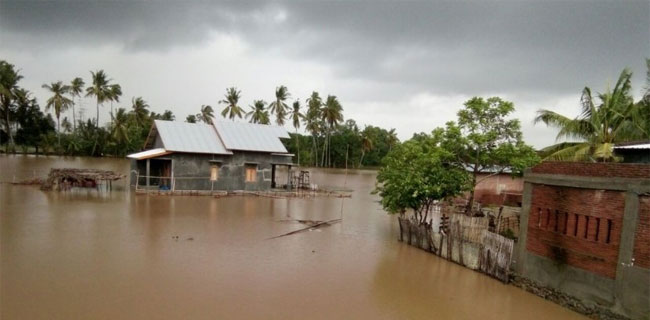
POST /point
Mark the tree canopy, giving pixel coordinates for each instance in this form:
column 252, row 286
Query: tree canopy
column 615, row 119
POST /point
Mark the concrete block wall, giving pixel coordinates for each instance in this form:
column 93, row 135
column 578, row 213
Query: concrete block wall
column 596, row 215
column 192, row 170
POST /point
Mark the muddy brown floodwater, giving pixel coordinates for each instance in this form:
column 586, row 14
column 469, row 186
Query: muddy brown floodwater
column 83, row 255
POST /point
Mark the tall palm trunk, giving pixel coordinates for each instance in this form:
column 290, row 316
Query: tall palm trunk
column 58, row 129
column 314, row 149
column 97, row 119
column 10, row 142
column 74, row 117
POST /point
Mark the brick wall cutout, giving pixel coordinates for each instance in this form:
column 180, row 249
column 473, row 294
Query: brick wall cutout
column 581, row 227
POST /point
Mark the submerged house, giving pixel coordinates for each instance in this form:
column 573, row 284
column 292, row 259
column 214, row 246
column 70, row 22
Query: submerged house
column 223, row 156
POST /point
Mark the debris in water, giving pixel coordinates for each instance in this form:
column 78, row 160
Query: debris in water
column 318, row 225
column 190, row 239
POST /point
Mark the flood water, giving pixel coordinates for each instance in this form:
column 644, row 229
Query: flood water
column 82, row 255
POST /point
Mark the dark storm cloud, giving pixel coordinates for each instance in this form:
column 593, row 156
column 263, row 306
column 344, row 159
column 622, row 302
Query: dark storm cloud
column 445, row 47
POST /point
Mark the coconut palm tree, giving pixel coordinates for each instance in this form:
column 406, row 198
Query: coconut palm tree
column 297, row 116
column 140, row 110
column 67, row 126
column 258, row 114
column 278, row 107
column 119, row 128
column 313, row 121
column 598, row 127
column 76, row 88
column 332, row 114
column 366, row 145
column 392, row 139
column 100, row 89
column 116, row 92
column 9, row 78
column 59, row 102
column 232, row 108
column 206, row 114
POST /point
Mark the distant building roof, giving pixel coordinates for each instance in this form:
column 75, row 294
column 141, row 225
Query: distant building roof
column 221, row 138
column 151, row 153
column 251, row 137
column 638, row 145
column 189, row 137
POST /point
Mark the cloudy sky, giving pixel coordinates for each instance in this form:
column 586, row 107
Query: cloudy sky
column 405, row 65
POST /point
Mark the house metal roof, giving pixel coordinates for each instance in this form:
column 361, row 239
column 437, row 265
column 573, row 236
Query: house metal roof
column 251, row 137
column 152, row 153
column 638, row 145
column 179, row 136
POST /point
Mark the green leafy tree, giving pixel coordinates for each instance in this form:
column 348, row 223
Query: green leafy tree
column 258, row 113
column 33, row 124
column 332, row 114
column 191, row 119
column 9, row 78
column 66, row 124
column 76, row 89
column 115, row 94
column 58, row 102
column 231, row 101
column 140, row 110
column 100, row 89
column 598, row 127
column 485, row 141
column 168, row 115
column 279, row 107
column 416, row 175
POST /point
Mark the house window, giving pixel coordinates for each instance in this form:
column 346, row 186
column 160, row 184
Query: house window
column 251, row 173
column 214, row 172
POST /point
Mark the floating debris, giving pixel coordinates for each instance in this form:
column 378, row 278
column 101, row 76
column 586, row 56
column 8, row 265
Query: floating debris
column 310, row 228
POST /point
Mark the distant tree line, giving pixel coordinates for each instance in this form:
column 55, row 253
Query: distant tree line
column 330, row 142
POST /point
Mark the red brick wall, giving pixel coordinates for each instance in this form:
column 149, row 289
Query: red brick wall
column 585, row 223
column 642, row 237
column 621, row 170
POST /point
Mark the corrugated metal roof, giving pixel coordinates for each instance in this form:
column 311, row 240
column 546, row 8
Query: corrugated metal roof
column 190, row 137
column 641, row 146
column 148, row 154
column 251, row 137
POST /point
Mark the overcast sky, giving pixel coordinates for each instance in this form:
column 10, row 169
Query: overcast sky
column 404, row 65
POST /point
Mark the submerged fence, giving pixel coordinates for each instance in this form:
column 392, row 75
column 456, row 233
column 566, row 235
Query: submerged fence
column 464, row 240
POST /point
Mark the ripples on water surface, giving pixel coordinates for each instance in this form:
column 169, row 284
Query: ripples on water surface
column 80, row 255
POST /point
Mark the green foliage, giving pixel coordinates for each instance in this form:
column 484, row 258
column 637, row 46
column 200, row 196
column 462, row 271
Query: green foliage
column 599, row 127
column 485, row 140
column 279, row 107
column 231, row 101
column 418, row 173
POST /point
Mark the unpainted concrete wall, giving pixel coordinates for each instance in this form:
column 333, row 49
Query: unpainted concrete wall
column 192, row 171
